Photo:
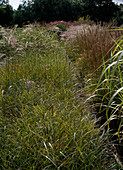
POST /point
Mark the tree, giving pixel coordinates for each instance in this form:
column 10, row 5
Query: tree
column 24, row 14
column 50, row 10
column 106, row 10
column 101, row 10
column 67, row 10
column 3, row 2
column 119, row 16
column 6, row 13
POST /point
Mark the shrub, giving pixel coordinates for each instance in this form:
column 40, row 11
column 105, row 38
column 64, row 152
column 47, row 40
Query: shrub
column 86, row 18
column 81, row 19
column 67, row 24
column 83, row 22
column 62, row 27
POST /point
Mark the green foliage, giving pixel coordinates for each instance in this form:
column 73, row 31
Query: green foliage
column 6, row 15
column 67, row 10
column 3, row 2
column 24, row 14
column 50, row 137
column 87, row 18
column 0, row 33
column 109, row 98
column 43, row 123
column 118, row 18
column 59, row 10
column 81, row 19
column 62, row 27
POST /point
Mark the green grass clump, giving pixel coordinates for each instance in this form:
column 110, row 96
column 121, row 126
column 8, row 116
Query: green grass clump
column 41, row 118
column 109, row 99
column 38, row 60
column 49, row 137
column 43, row 122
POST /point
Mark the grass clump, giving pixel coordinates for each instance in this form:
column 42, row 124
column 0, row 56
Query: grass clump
column 89, row 45
column 109, row 98
column 49, row 139
column 43, row 125
column 36, row 61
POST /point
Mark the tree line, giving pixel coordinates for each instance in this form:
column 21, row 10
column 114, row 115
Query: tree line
column 45, row 11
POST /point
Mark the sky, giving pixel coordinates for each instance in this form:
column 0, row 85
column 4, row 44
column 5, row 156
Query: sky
column 15, row 3
column 118, row 1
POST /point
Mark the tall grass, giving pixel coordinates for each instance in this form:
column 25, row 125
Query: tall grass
column 109, row 98
column 43, row 122
column 90, row 44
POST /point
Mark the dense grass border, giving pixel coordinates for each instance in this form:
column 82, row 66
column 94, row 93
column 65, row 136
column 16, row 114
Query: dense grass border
column 44, row 124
